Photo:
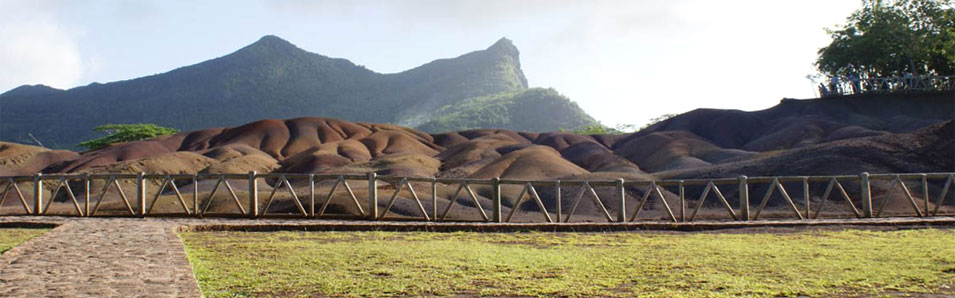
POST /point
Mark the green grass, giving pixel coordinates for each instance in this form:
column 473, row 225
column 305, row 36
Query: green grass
column 814, row 263
column 13, row 237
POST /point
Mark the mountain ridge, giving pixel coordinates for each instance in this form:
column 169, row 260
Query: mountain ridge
column 269, row 78
column 29, row 90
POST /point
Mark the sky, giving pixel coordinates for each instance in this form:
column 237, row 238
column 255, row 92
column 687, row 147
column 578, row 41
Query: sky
column 623, row 62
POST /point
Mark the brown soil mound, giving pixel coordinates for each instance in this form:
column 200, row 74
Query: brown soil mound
column 399, row 164
column 596, row 158
column 562, row 140
column 242, row 164
column 172, row 163
column 232, row 151
column 926, row 150
column 32, row 162
column 466, row 157
column 118, row 153
column 829, row 136
column 454, row 138
column 534, row 162
column 795, row 123
column 814, row 137
column 670, row 150
column 8, row 149
column 313, row 161
column 320, row 145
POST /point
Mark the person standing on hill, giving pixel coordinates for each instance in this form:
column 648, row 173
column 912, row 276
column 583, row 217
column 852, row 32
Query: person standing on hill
column 856, row 84
column 907, row 81
column 834, row 86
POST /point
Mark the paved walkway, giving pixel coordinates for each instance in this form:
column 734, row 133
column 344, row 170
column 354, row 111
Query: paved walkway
column 100, row 258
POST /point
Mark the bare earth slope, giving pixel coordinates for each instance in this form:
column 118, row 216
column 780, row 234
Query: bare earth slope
column 820, row 136
column 794, row 123
column 810, row 137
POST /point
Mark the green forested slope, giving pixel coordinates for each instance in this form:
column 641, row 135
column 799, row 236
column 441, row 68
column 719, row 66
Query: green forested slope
column 273, row 78
column 534, row 109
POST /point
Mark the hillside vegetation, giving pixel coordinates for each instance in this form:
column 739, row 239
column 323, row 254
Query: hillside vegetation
column 273, row 78
column 533, row 109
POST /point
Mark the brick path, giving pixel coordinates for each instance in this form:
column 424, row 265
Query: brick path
column 100, row 258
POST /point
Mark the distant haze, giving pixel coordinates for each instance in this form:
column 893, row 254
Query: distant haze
column 622, row 61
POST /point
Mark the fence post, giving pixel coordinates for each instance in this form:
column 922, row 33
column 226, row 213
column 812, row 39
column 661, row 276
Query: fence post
column 866, row 195
column 682, row 202
column 253, row 195
column 496, row 196
column 744, row 198
column 560, row 210
column 434, row 198
column 925, row 196
column 622, row 213
column 86, row 206
column 37, row 194
column 805, row 195
column 195, row 195
column 141, row 193
column 311, row 194
column 373, row 195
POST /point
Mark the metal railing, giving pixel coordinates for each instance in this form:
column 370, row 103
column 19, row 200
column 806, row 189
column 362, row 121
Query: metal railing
column 332, row 196
column 846, row 86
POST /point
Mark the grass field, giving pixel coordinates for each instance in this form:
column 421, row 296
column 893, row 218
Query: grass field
column 12, row 237
column 814, row 263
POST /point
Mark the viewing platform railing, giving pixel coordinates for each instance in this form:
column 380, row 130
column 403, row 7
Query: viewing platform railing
column 847, row 86
column 319, row 196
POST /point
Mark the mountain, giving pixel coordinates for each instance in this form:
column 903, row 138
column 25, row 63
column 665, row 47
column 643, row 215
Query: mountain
column 532, row 109
column 273, row 78
column 31, row 90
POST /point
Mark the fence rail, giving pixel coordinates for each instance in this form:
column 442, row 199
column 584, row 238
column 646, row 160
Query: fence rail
column 847, row 86
column 373, row 197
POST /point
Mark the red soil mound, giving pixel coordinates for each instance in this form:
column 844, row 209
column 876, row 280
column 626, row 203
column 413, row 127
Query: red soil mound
column 829, row 136
column 534, row 162
column 17, row 159
column 794, row 138
column 929, row 149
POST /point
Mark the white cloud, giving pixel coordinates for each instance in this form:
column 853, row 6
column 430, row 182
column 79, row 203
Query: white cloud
column 35, row 48
column 630, row 61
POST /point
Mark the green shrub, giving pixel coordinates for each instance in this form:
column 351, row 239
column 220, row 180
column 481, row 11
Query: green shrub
column 118, row 133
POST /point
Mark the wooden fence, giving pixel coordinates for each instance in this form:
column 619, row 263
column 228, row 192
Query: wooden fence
column 255, row 195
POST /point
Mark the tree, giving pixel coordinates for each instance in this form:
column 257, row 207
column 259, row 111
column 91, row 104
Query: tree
column 596, row 129
column 599, row 128
column 118, row 133
column 887, row 38
column 657, row 119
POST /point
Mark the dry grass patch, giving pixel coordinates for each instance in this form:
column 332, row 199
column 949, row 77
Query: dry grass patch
column 13, row 237
column 811, row 263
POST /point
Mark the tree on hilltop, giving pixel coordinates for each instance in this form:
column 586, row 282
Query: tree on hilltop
column 887, row 38
column 118, row 133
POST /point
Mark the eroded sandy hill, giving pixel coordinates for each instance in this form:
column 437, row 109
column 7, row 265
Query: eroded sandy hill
column 828, row 136
column 813, row 137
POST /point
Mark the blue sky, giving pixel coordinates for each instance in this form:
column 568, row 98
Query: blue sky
column 623, row 61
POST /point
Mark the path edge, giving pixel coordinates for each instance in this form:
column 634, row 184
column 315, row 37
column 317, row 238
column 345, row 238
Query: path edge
column 558, row 227
column 11, row 254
